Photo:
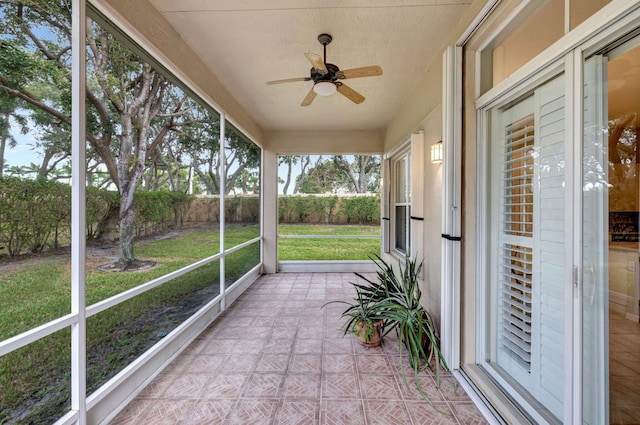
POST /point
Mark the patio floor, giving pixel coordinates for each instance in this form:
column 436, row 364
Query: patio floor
column 276, row 357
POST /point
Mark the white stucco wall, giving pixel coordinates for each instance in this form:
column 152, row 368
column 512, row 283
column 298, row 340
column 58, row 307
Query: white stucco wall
column 422, row 111
column 326, row 142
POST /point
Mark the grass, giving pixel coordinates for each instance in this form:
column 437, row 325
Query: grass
column 327, row 249
column 35, row 380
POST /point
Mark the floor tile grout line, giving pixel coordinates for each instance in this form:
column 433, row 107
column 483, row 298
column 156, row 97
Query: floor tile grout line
column 314, row 286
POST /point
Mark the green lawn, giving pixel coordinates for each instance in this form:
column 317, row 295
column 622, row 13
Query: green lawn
column 34, row 380
column 327, row 249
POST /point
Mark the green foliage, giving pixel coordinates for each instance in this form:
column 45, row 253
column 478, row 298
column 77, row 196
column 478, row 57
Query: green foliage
column 401, row 310
column 57, row 199
column 100, row 203
column 394, row 297
column 334, row 174
column 362, row 209
column 242, row 209
column 325, row 177
column 35, row 294
column 362, row 314
column 33, row 213
column 295, row 209
column 327, row 207
column 159, row 211
column 36, row 214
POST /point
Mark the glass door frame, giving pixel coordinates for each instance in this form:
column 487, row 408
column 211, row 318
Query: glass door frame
column 555, row 69
column 567, row 55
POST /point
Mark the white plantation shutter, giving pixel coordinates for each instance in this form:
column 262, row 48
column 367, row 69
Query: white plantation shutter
column 530, row 250
column 549, row 248
column 516, row 292
column 515, row 276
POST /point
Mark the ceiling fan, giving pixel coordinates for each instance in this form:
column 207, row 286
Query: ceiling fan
column 326, row 76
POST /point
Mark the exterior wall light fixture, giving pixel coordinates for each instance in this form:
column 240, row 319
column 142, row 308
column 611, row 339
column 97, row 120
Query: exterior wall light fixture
column 436, row 153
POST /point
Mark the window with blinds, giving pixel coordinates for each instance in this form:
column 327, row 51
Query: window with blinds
column 516, row 257
column 527, row 257
column 516, row 304
column 518, row 178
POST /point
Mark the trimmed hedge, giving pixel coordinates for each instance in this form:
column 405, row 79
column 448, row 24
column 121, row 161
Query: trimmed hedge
column 36, row 214
column 333, row 209
column 159, row 211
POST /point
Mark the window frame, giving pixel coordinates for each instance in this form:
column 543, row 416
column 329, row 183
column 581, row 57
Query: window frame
column 401, row 157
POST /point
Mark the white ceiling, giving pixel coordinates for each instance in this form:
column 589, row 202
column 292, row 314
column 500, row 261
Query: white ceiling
column 249, row 42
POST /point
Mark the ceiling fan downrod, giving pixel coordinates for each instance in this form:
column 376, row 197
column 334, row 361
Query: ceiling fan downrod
column 325, row 39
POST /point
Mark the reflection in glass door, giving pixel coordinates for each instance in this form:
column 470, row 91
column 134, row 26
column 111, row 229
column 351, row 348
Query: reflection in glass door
column 611, row 235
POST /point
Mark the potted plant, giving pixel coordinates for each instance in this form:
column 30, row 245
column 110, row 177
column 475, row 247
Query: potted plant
column 363, row 318
column 402, row 311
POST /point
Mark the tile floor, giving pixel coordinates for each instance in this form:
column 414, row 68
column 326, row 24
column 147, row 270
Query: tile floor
column 277, row 357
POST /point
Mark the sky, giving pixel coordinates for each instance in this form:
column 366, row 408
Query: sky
column 24, row 154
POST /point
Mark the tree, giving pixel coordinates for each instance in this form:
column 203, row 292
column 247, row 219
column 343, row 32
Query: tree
column 240, row 155
column 324, row 177
column 350, row 174
column 129, row 110
column 363, row 172
column 305, row 161
column 9, row 112
column 289, row 161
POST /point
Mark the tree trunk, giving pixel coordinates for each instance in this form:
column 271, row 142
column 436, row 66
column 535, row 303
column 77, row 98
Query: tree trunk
column 304, row 163
column 43, row 170
column 289, row 170
column 363, row 177
column 3, row 141
column 127, row 230
column 127, row 214
column 130, row 171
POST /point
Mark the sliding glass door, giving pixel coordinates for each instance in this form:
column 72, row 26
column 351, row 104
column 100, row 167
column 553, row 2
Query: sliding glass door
column 594, row 295
column 536, row 290
column 611, row 235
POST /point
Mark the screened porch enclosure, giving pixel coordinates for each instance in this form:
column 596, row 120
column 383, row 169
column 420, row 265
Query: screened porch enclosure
column 145, row 211
column 140, row 224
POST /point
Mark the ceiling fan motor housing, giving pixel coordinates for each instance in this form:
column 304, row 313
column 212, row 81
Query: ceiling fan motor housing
column 332, row 75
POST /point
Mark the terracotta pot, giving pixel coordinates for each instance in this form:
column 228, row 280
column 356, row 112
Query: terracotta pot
column 369, row 334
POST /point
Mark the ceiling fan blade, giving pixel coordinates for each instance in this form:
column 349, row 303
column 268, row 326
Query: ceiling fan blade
column 316, row 62
column 350, row 94
column 288, row 80
column 365, row 71
column 309, row 98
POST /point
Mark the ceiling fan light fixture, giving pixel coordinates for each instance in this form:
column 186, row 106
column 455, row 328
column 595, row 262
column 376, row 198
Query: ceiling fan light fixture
column 324, row 88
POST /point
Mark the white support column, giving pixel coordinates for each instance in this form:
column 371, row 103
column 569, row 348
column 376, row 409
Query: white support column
column 269, row 221
column 78, row 217
column 385, row 195
column 417, row 197
column 451, row 195
column 222, row 171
